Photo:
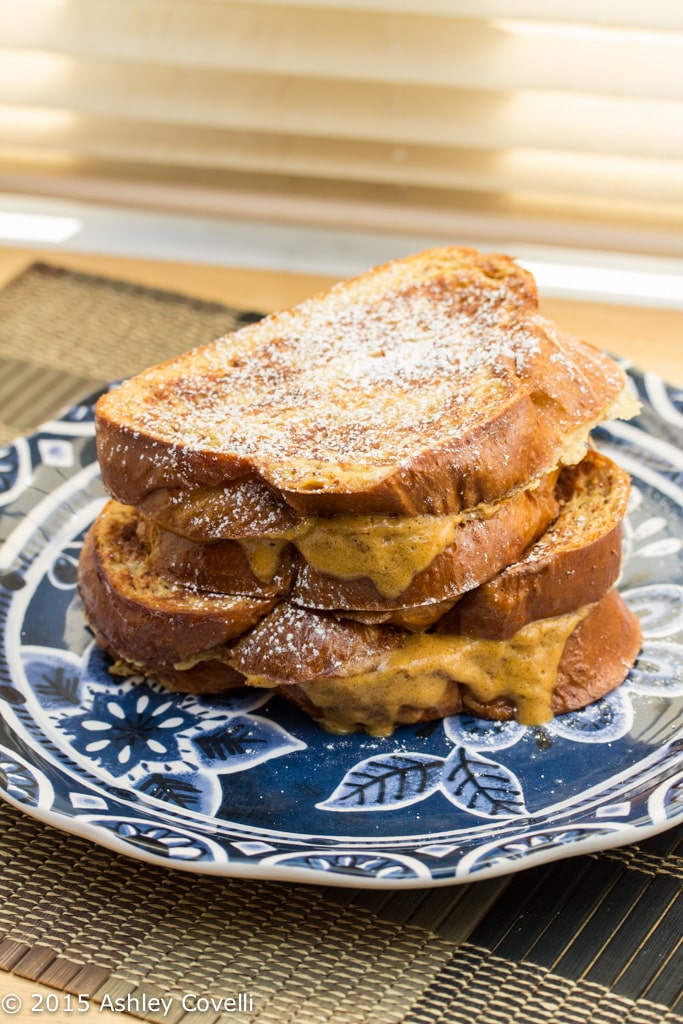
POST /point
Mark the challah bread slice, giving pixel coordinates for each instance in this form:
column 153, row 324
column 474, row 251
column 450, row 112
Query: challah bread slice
column 209, row 674
column 220, row 566
column 373, row 563
column 352, row 676
column 596, row 658
column 574, row 562
column 426, row 386
column 142, row 619
column 242, row 509
column 388, row 563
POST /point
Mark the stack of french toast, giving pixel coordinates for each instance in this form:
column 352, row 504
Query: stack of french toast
column 382, row 504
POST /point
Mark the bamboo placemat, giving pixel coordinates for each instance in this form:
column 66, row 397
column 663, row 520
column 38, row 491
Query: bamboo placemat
column 590, row 938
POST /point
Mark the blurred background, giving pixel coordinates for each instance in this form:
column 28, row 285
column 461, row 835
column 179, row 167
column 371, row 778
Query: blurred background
column 325, row 135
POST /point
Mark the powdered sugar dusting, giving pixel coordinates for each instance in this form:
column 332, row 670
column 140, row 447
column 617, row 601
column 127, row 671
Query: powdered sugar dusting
column 294, row 644
column 335, row 383
column 334, row 394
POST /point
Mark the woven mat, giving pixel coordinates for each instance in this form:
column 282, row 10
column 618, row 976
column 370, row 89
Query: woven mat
column 590, row 938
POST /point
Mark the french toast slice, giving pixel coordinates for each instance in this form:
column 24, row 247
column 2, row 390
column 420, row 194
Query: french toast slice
column 391, row 564
column 347, row 681
column 574, row 562
column 492, row 574
column 220, row 566
column 242, row 509
column 143, row 620
column 351, row 676
column 370, row 563
column 428, row 385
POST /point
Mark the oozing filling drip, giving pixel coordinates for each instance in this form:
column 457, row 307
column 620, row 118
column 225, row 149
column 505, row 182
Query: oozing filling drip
column 420, row 676
column 389, row 550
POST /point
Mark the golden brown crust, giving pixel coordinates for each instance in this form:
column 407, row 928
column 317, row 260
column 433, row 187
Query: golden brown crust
column 428, row 385
column 218, row 567
column 141, row 618
column 598, row 655
column 240, row 509
column 294, row 644
column 482, row 546
column 596, row 659
column 212, row 675
column 574, row 563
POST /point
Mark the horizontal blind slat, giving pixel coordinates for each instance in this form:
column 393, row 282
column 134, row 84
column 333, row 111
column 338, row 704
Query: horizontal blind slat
column 469, row 54
column 58, row 133
column 517, row 101
column 658, row 14
column 399, row 114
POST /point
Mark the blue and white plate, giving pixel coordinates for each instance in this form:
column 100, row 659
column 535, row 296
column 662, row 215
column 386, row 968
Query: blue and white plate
column 245, row 785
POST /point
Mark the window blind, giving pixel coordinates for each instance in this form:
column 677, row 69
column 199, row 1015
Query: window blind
column 563, row 112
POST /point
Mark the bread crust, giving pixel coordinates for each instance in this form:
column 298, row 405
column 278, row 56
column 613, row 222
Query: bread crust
column 217, row 567
column 574, row 563
column 482, row 546
column 138, row 617
column 294, row 644
column 241, row 509
column 436, row 386
column 596, row 659
column 210, row 675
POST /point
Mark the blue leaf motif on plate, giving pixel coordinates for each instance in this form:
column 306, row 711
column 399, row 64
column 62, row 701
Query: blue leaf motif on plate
column 159, row 840
column 184, row 791
column 385, row 782
column 124, row 728
column 240, row 742
column 482, row 734
column 481, row 786
column 604, row 721
column 54, row 676
column 18, row 781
